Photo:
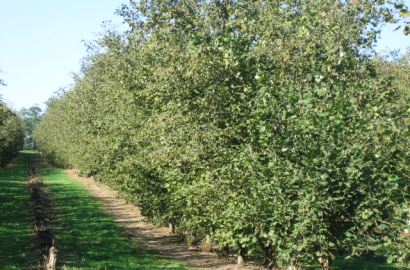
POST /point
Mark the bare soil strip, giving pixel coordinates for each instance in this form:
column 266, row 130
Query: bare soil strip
column 41, row 206
column 133, row 225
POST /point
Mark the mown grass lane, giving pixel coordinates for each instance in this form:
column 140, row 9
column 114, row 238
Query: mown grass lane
column 87, row 237
column 16, row 237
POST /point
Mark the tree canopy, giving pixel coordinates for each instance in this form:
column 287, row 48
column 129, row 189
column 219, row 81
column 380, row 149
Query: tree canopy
column 11, row 134
column 265, row 124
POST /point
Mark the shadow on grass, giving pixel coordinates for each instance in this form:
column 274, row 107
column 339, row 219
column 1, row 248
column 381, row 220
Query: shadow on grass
column 355, row 264
column 86, row 237
column 15, row 223
column 362, row 264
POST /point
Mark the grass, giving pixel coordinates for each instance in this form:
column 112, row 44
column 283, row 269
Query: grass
column 86, row 237
column 15, row 222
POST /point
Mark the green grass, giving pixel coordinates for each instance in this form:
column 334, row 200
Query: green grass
column 86, row 237
column 15, row 222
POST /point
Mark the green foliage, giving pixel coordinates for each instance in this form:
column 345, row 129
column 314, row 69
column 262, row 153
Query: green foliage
column 2, row 83
column 31, row 117
column 262, row 123
column 11, row 134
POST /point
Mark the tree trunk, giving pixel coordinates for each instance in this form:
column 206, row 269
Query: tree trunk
column 268, row 252
column 208, row 240
column 241, row 255
column 326, row 261
column 206, row 245
column 191, row 239
column 295, row 267
column 171, row 228
column 51, row 262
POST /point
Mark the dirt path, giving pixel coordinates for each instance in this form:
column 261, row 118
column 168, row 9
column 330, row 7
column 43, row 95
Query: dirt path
column 132, row 223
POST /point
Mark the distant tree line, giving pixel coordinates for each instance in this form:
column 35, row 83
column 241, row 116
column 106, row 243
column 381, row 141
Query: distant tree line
column 266, row 125
column 31, row 117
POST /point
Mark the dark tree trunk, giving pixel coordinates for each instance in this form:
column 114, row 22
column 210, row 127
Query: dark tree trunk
column 326, row 261
column 241, row 254
column 268, row 252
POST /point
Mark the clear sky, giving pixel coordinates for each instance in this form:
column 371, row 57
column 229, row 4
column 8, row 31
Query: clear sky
column 41, row 44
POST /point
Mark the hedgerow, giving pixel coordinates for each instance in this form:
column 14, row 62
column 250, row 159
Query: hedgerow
column 11, row 133
column 264, row 124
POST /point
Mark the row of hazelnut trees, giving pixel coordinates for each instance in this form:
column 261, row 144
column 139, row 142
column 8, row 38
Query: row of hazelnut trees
column 263, row 124
column 11, row 133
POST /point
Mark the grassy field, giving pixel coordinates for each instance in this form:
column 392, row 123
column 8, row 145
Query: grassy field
column 16, row 236
column 85, row 237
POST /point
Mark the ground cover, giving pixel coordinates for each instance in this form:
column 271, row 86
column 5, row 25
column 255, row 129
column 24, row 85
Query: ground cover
column 89, row 239
column 376, row 263
column 16, row 235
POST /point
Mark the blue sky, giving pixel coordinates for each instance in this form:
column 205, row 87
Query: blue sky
column 41, row 44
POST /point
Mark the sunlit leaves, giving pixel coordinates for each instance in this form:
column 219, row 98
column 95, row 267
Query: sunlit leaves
column 263, row 125
column 11, row 134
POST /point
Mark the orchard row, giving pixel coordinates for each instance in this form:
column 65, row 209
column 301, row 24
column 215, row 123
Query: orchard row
column 267, row 125
column 11, row 133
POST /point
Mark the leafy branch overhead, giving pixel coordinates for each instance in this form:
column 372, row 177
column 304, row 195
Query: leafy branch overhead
column 267, row 125
column 398, row 14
